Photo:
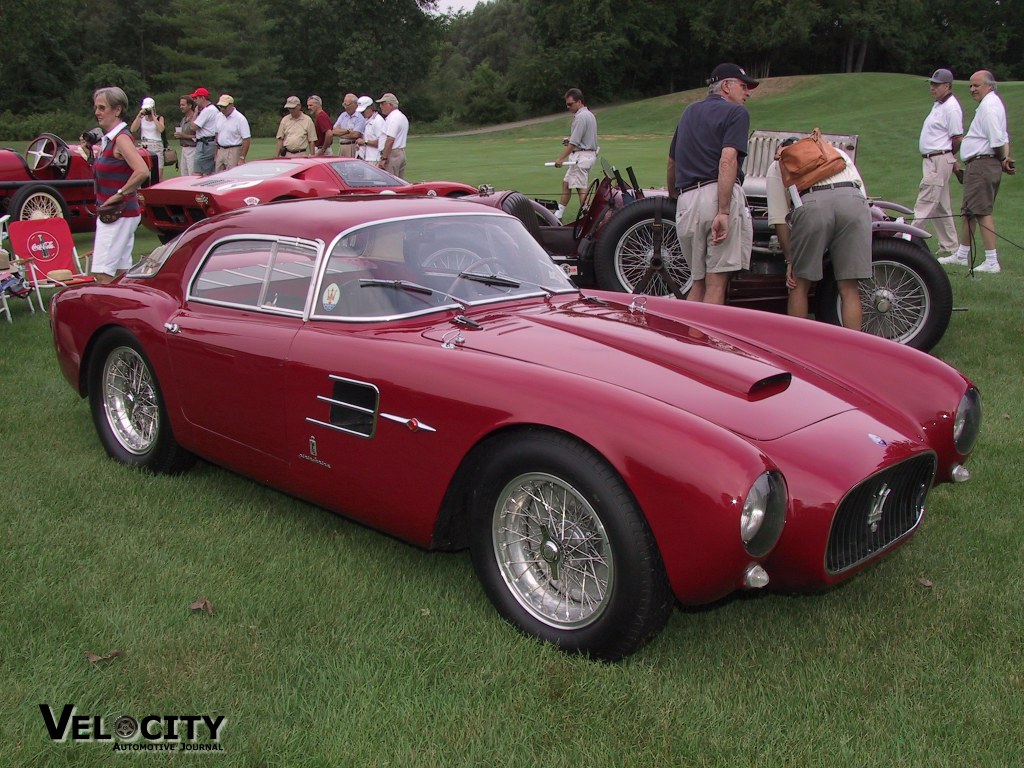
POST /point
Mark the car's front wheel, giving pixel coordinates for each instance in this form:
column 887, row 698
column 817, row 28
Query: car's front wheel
column 37, row 201
column 908, row 298
column 562, row 549
column 128, row 408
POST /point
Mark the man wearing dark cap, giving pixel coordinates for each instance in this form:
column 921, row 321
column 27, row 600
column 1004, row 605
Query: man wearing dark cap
column 712, row 219
column 941, row 134
column 205, row 129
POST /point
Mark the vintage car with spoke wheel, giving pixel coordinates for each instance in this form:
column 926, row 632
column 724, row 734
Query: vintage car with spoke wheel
column 625, row 240
column 51, row 179
column 422, row 366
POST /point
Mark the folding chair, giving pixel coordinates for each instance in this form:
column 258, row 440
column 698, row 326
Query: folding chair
column 12, row 282
column 48, row 250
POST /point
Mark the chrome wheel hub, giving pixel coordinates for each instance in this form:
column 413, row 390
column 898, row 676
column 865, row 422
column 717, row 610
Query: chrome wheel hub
column 129, row 400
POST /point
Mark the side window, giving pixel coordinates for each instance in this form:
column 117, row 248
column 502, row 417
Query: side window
column 256, row 274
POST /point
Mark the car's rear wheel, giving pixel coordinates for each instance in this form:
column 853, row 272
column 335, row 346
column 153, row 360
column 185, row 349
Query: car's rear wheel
column 128, row 408
column 624, row 256
column 908, row 299
column 563, row 550
column 37, row 201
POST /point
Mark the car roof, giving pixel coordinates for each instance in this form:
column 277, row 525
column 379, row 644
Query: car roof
column 324, row 217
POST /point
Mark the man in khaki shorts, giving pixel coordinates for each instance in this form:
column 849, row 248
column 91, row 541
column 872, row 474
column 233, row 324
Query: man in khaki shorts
column 712, row 220
column 580, row 150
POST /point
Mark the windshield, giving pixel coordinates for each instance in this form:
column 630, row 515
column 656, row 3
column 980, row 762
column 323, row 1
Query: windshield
column 412, row 266
column 356, row 173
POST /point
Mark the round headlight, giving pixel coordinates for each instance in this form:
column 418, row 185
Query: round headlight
column 764, row 513
column 967, row 424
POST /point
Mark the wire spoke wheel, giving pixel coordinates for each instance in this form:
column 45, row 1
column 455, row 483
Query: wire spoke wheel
column 552, row 551
column 895, row 302
column 130, row 401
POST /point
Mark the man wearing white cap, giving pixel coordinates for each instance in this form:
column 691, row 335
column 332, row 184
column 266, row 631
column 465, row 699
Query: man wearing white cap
column 396, row 132
column 152, row 128
column 941, row 134
column 296, row 134
column 233, row 134
column 373, row 131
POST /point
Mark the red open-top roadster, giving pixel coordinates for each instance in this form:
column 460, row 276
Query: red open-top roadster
column 422, row 366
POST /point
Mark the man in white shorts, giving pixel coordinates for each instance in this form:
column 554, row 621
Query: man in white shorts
column 580, row 150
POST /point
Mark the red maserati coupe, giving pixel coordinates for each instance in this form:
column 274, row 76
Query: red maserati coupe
column 172, row 206
column 422, row 366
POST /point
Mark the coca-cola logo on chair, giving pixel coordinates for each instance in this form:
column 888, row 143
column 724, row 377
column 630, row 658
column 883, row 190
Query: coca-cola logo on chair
column 43, row 246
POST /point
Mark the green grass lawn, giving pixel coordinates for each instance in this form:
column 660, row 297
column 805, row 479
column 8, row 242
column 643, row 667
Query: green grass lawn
column 333, row 645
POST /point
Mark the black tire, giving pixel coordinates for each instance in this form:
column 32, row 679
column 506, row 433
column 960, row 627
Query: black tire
column 908, row 300
column 128, row 407
column 36, row 201
column 562, row 549
column 624, row 254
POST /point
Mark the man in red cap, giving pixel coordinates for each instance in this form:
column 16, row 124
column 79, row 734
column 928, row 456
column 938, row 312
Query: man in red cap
column 712, row 219
column 205, row 128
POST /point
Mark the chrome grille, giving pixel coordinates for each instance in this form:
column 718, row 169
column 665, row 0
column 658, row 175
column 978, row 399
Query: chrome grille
column 879, row 512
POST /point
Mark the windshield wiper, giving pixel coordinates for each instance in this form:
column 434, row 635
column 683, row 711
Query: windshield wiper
column 503, row 282
column 409, row 287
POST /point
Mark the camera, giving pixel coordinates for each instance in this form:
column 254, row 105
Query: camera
column 93, row 136
column 147, row 112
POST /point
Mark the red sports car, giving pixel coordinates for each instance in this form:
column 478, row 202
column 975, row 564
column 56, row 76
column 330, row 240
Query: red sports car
column 171, row 207
column 422, row 366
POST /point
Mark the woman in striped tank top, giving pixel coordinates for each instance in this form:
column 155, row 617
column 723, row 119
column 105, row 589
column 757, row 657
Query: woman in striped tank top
column 119, row 171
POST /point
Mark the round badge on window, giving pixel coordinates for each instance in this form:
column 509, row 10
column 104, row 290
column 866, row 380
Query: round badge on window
column 331, row 295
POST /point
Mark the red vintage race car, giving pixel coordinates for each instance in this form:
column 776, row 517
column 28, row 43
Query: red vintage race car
column 172, row 206
column 50, row 179
column 422, row 366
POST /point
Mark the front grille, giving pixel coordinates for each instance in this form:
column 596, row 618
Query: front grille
column 878, row 512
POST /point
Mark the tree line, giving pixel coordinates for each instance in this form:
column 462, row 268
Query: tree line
column 505, row 60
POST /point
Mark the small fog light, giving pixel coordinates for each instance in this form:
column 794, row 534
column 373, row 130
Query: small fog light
column 960, row 474
column 756, row 577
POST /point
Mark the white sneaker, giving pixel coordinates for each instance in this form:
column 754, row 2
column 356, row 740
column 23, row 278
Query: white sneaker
column 953, row 259
column 988, row 266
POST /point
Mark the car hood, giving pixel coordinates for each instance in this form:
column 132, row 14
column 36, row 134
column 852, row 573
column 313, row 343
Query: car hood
column 736, row 383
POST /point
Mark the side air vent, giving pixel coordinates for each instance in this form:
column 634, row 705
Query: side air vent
column 351, row 407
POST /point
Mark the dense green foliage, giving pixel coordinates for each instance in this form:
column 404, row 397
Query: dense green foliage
column 505, row 60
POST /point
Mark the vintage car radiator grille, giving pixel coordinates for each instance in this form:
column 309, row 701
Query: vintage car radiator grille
column 879, row 512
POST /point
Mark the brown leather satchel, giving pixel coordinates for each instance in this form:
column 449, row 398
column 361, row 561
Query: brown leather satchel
column 809, row 161
column 109, row 212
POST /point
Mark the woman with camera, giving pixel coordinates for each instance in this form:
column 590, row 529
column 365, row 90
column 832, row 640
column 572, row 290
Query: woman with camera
column 152, row 126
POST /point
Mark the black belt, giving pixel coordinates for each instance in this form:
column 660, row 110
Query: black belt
column 698, row 185
column 935, row 154
column 346, row 141
column 206, row 139
column 978, row 157
column 228, row 146
column 294, row 151
column 837, row 185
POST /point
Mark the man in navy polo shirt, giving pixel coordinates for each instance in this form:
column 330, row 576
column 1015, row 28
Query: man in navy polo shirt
column 712, row 218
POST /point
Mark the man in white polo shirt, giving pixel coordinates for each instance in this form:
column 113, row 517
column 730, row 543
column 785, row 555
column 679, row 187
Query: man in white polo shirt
column 941, row 134
column 233, row 134
column 396, row 133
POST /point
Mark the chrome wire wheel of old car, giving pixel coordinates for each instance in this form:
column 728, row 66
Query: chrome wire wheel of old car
column 127, row 406
column 552, row 550
column 908, row 298
column 628, row 257
column 129, row 400
column 37, row 201
column 561, row 546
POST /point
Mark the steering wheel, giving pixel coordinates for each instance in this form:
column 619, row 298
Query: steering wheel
column 45, row 151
